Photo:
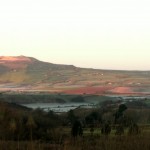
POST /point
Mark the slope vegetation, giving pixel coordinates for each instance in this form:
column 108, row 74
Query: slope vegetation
column 27, row 73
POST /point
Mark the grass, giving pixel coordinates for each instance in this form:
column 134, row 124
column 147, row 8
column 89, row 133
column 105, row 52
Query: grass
column 111, row 143
column 15, row 76
column 140, row 142
column 95, row 141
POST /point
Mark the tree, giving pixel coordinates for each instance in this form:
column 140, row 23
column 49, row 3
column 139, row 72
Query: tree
column 76, row 129
column 71, row 116
column 119, row 114
column 13, row 127
column 93, row 117
column 106, row 129
column 31, row 125
column 120, row 119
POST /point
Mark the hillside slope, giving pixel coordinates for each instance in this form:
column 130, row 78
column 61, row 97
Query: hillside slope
column 27, row 73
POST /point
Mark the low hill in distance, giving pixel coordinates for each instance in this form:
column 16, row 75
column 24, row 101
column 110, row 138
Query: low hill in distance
column 27, row 74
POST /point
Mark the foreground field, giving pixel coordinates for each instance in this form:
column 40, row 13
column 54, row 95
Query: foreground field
column 114, row 124
column 94, row 142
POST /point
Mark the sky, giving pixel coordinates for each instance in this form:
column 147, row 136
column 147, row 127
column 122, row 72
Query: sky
column 102, row 34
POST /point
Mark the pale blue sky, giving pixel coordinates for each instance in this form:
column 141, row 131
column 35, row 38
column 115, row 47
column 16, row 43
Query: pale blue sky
column 107, row 34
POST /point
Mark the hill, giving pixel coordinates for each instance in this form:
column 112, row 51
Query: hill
column 29, row 74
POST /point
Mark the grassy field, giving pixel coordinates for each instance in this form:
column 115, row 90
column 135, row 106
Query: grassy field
column 51, row 131
column 95, row 141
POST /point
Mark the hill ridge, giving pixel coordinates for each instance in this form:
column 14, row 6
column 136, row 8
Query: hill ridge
column 28, row 73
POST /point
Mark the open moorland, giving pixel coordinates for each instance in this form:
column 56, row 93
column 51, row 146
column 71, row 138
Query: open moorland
column 29, row 74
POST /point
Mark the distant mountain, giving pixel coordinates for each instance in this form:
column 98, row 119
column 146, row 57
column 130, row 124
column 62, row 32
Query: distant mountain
column 27, row 74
